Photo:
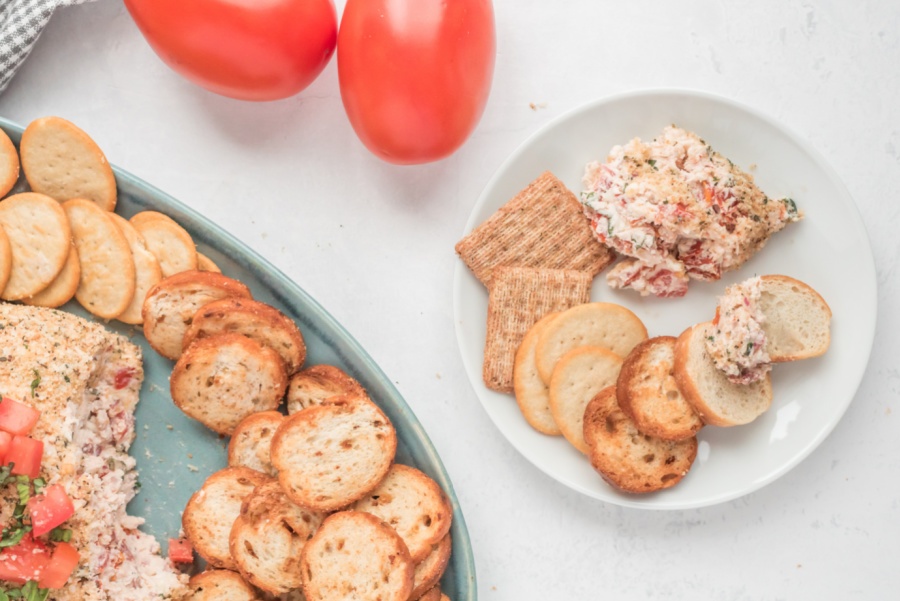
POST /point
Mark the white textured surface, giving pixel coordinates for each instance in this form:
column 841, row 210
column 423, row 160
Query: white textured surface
column 373, row 243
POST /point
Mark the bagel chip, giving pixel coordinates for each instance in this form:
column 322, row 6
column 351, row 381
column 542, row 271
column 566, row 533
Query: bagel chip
column 625, row 458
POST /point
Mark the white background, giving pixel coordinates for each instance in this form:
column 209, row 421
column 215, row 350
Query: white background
column 373, row 243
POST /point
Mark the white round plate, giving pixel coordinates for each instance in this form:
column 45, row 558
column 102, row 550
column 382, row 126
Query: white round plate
column 828, row 250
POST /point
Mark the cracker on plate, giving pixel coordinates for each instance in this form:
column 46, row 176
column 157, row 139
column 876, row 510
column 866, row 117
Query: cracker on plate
column 532, row 394
column 519, row 297
column 542, row 226
column 577, row 378
column 627, row 459
column 606, row 325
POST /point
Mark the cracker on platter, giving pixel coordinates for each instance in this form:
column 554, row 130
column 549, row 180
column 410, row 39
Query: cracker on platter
column 519, row 297
column 63, row 162
column 63, row 287
column 9, row 164
column 107, row 281
column 40, row 239
column 170, row 243
column 542, row 226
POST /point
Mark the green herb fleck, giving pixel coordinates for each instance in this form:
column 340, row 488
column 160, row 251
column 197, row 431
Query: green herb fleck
column 60, row 534
column 791, row 206
column 36, row 382
column 4, row 473
column 749, row 349
column 13, row 536
column 24, row 492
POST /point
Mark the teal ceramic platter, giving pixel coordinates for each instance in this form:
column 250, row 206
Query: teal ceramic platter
column 175, row 454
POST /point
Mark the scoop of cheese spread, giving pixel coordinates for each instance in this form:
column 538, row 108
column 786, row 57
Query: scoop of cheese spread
column 737, row 343
column 679, row 209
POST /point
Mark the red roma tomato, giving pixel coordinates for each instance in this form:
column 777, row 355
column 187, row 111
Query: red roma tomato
column 415, row 74
column 61, row 565
column 246, row 49
column 49, row 510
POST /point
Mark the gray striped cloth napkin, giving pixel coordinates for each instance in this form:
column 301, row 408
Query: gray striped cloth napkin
column 21, row 23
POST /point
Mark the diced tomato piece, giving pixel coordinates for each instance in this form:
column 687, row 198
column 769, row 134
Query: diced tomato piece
column 24, row 561
column 123, row 377
column 707, row 192
column 16, row 417
column 25, row 454
column 49, row 509
column 5, row 441
column 61, row 565
column 180, row 550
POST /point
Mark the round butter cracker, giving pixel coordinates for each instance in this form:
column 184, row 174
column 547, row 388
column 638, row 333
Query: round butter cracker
column 169, row 242
column 62, row 289
column 63, row 162
column 107, row 268
column 9, row 164
column 147, row 272
column 579, row 375
column 531, row 392
column 40, row 239
column 606, row 325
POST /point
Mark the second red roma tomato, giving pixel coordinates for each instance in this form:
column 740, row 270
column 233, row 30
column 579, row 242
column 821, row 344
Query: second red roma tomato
column 415, row 74
column 246, row 49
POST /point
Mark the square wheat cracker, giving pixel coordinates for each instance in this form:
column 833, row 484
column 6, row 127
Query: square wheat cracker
column 519, row 297
column 542, row 226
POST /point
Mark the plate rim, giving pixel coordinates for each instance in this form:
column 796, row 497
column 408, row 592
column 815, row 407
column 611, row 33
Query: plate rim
column 282, row 288
column 461, row 271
